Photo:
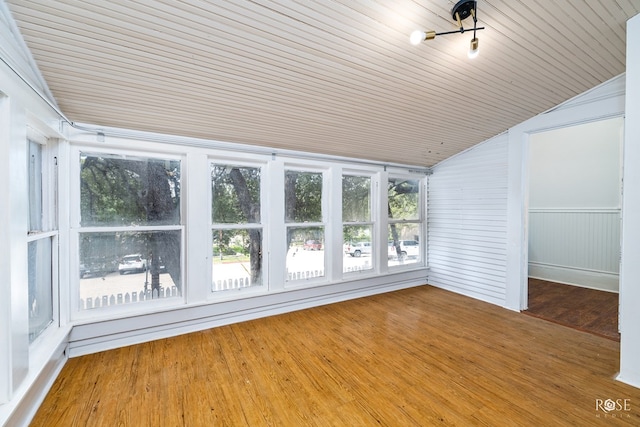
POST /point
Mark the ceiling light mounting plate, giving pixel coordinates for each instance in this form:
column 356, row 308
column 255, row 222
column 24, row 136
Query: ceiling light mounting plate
column 463, row 8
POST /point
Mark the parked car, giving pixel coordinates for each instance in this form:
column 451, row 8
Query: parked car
column 97, row 267
column 408, row 249
column 357, row 249
column 133, row 263
column 312, row 245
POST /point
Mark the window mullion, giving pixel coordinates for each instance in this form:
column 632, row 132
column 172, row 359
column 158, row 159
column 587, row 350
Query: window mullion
column 197, row 218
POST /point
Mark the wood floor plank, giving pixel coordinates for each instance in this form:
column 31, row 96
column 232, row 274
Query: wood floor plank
column 416, row 357
column 588, row 310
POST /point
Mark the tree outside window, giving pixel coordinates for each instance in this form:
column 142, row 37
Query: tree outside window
column 357, row 225
column 138, row 257
column 405, row 221
column 236, row 227
column 305, row 242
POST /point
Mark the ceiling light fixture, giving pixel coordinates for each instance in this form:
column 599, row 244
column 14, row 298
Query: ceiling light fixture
column 461, row 11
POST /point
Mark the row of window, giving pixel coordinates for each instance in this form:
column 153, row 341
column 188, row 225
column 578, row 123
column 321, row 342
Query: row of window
column 128, row 228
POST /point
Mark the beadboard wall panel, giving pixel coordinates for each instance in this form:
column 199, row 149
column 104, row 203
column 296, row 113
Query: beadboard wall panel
column 575, row 246
column 467, row 222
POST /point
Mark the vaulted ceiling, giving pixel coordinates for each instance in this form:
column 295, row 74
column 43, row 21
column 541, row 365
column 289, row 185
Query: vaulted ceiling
column 327, row 76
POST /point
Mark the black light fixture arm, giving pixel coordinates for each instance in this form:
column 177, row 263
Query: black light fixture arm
column 475, row 20
column 462, row 30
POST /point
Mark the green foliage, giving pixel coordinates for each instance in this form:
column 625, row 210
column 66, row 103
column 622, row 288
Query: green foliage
column 117, row 191
column 356, row 233
column 231, row 242
column 108, row 193
column 227, row 206
column 303, row 196
column 404, row 196
column 356, row 198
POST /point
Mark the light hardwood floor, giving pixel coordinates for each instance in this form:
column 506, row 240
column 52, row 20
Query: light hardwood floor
column 415, row 357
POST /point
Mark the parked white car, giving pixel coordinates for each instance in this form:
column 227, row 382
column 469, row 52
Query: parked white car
column 133, row 263
column 357, row 249
column 408, row 249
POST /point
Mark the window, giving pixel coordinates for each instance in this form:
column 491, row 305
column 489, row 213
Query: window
column 405, row 221
column 236, row 227
column 130, row 236
column 305, row 239
column 35, row 187
column 40, row 286
column 357, row 225
column 41, row 238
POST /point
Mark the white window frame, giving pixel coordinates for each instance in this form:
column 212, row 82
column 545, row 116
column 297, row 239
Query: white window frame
column 420, row 221
column 76, row 229
column 262, row 225
column 374, row 203
column 49, row 220
column 308, row 167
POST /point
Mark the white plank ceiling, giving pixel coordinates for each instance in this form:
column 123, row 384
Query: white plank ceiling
column 328, row 76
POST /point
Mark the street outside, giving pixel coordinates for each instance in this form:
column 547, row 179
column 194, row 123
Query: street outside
column 226, row 274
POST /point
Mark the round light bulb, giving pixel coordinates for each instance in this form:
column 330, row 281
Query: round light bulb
column 417, row 37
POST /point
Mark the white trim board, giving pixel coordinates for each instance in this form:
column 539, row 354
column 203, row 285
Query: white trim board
column 598, row 280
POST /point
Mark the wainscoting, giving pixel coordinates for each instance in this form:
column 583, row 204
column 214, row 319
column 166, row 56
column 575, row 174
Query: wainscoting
column 575, row 246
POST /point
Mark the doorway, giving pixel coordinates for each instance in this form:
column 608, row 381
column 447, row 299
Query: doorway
column 574, row 209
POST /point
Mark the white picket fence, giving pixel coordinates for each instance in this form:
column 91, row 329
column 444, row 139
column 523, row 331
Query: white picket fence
column 301, row 275
column 357, row 268
column 245, row 282
column 172, row 291
column 128, row 298
column 237, row 283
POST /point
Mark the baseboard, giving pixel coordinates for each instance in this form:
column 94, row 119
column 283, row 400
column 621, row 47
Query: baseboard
column 598, row 280
column 110, row 334
column 43, row 371
column 632, row 380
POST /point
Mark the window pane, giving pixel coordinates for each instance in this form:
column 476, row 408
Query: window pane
column 237, row 259
column 356, row 198
column 236, row 194
column 305, row 252
column 35, row 186
column 404, row 196
column 303, row 196
column 404, row 244
column 358, row 248
column 128, row 267
column 129, row 191
column 40, row 287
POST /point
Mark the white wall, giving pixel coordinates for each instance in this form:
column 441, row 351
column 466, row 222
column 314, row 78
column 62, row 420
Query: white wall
column 630, row 265
column 478, row 204
column 467, row 222
column 603, row 102
column 574, row 204
column 577, row 166
column 25, row 370
column 456, row 178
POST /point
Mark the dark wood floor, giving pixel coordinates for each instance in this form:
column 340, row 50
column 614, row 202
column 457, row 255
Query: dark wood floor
column 417, row 357
column 580, row 308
